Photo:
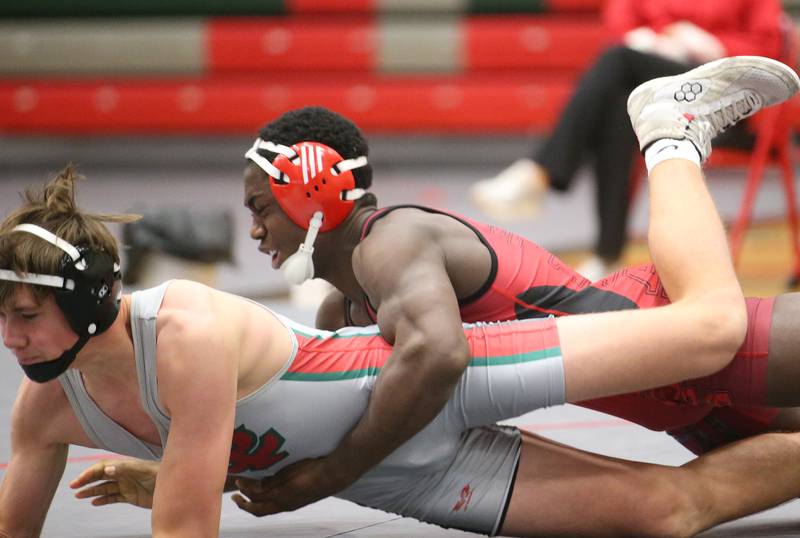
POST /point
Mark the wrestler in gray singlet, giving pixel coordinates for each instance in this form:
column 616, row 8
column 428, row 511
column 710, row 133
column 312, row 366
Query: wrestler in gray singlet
column 453, row 473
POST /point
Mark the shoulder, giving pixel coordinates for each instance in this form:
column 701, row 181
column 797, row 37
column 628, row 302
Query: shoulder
column 194, row 317
column 409, row 219
column 401, row 235
column 197, row 346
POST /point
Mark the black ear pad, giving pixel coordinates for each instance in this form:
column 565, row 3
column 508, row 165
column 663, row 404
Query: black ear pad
column 93, row 305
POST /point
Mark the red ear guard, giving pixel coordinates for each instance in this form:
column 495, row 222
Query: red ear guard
column 310, row 177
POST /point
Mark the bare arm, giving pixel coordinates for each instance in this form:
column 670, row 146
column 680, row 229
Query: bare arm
column 419, row 315
column 198, row 386
column 32, row 475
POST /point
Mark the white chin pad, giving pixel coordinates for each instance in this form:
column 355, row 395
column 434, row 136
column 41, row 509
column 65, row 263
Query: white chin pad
column 299, row 267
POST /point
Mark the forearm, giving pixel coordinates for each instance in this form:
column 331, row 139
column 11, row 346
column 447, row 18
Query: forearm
column 10, row 531
column 176, row 514
column 30, row 481
column 197, row 515
column 185, row 527
column 408, row 395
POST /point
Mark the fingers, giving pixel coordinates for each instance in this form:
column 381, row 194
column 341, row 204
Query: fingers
column 99, row 471
column 258, row 509
column 250, row 486
column 106, row 493
column 108, row 499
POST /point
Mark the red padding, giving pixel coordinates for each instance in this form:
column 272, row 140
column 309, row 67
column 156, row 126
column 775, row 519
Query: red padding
column 532, row 42
column 293, row 44
column 449, row 105
column 444, row 105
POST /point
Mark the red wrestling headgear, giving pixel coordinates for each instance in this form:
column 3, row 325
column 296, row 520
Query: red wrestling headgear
column 310, row 177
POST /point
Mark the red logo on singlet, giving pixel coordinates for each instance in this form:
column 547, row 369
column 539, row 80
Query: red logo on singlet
column 251, row 453
column 463, row 501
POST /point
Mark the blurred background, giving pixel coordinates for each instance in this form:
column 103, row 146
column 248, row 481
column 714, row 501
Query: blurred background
column 156, row 102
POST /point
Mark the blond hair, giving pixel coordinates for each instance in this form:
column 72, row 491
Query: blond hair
column 54, row 208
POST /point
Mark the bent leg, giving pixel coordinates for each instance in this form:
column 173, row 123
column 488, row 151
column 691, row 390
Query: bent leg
column 765, row 371
column 562, row 491
column 620, row 352
column 744, row 381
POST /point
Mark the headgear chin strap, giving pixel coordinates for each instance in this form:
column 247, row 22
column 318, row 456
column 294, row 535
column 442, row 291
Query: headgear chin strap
column 299, row 267
column 315, row 187
column 88, row 292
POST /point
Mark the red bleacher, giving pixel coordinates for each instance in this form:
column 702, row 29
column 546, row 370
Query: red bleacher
column 313, row 45
column 462, row 104
column 515, row 73
column 510, row 74
column 532, row 43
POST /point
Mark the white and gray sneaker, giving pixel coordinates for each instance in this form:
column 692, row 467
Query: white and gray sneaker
column 701, row 103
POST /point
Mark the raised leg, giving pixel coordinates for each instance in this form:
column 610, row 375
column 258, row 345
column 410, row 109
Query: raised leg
column 626, row 351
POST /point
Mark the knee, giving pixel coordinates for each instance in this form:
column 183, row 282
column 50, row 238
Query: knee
column 663, row 510
column 722, row 323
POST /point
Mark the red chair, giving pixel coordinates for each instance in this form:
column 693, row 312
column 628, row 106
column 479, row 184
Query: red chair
column 773, row 145
column 772, row 133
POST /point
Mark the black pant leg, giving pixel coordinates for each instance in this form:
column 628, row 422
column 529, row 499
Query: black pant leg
column 612, row 168
column 614, row 155
column 616, row 72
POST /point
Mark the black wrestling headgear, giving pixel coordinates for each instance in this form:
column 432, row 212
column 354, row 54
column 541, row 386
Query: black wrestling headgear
column 88, row 292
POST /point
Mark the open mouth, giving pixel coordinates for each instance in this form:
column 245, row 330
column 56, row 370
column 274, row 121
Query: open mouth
column 273, row 254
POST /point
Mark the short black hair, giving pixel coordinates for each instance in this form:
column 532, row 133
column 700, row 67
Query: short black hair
column 318, row 124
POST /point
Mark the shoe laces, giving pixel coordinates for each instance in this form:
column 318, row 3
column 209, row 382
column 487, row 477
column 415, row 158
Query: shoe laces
column 729, row 114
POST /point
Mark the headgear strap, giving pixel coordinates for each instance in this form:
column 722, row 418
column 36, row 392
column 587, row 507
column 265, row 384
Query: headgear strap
column 314, row 186
column 309, row 177
column 88, row 294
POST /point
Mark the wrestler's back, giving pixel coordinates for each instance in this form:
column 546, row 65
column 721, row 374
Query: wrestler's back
column 322, row 387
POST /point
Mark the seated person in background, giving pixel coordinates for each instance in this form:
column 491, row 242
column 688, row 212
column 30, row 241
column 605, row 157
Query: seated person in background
column 656, row 38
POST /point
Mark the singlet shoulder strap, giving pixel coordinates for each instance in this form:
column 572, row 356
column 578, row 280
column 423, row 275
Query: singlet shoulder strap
column 367, row 226
column 145, row 305
column 382, row 212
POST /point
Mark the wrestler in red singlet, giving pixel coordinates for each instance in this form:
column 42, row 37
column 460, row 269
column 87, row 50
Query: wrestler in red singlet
column 527, row 281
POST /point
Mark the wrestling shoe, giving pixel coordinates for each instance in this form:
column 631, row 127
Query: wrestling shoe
column 701, row 103
column 515, row 192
